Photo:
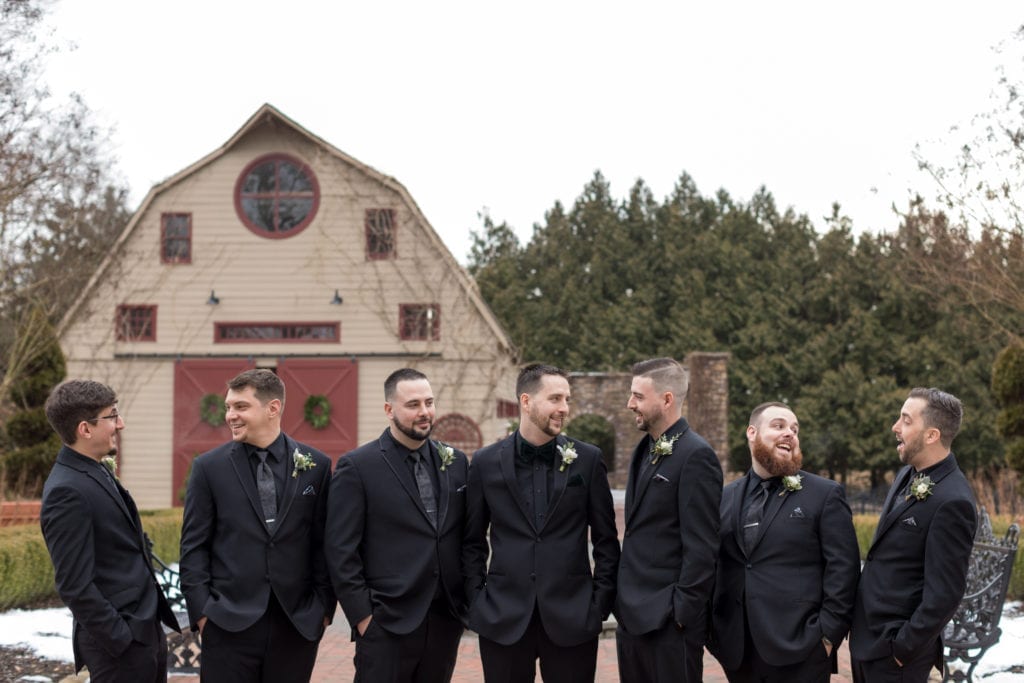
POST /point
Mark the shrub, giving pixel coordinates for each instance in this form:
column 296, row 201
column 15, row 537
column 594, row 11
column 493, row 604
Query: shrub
column 1008, row 375
column 26, row 573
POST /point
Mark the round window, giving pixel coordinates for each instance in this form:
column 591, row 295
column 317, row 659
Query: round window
column 277, row 196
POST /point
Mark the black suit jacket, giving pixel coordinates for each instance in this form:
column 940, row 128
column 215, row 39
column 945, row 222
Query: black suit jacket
column 546, row 567
column 670, row 544
column 383, row 551
column 916, row 570
column 230, row 562
column 797, row 582
column 100, row 556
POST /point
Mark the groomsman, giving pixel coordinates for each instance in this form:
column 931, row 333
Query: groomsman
column 394, row 542
column 671, row 540
column 252, row 564
column 100, row 556
column 916, row 568
column 534, row 498
column 788, row 563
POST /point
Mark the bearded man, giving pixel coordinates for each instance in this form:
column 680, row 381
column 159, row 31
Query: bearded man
column 534, row 498
column 788, row 563
column 394, row 542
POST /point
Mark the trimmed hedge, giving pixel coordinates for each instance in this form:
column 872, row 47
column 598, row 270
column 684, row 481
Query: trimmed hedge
column 26, row 573
column 865, row 526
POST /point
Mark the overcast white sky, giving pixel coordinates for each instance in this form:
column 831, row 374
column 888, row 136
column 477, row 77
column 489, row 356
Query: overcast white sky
column 510, row 106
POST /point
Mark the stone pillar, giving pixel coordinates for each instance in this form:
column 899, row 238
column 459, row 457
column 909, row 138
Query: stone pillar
column 707, row 403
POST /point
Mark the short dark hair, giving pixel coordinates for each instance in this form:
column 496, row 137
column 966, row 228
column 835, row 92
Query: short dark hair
column 530, row 377
column 667, row 374
column 400, row 375
column 942, row 411
column 266, row 384
column 72, row 402
column 755, row 414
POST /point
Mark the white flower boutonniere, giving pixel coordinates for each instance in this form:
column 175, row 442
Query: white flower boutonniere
column 302, row 462
column 793, row 482
column 568, row 453
column 662, row 447
column 921, row 487
column 446, row 453
column 110, row 462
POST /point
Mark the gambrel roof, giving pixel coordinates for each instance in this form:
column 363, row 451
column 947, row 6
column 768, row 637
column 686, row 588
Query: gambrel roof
column 269, row 114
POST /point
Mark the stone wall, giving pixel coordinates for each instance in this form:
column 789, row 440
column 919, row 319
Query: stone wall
column 706, row 407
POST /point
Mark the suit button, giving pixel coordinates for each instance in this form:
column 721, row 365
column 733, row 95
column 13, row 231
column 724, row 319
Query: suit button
column 750, row 566
column 627, row 533
column 533, row 576
column 271, row 544
column 436, row 572
column 538, row 539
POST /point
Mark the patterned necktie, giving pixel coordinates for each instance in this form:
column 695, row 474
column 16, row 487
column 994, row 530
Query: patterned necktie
column 755, row 513
column 425, row 485
column 267, row 490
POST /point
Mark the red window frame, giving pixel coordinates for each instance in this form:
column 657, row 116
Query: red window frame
column 277, row 196
column 135, row 323
column 166, row 239
column 409, row 315
column 378, row 246
column 506, row 409
column 288, row 332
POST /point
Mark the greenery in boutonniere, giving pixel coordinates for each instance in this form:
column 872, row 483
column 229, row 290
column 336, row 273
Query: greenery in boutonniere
column 446, row 453
column 110, row 462
column 662, row 447
column 568, row 453
column 302, row 462
column 921, row 487
column 791, row 483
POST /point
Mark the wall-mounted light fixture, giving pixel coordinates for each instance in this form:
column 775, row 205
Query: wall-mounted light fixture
column 213, row 300
column 337, row 300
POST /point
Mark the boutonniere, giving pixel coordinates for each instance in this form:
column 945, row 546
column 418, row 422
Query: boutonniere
column 302, row 462
column 662, row 447
column 921, row 487
column 791, row 483
column 110, row 462
column 446, row 453
column 568, row 453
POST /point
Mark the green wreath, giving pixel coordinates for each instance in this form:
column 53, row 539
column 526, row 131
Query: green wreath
column 318, row 411
column 212, row 410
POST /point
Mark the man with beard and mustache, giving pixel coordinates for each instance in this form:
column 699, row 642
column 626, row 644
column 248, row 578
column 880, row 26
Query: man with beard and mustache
column 394, row 542
column 915, row 573
column 534, row 496
column 671, row 538
column 788, row 563
column 100, row 556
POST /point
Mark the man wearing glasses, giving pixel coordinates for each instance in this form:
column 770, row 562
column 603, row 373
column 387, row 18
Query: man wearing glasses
column 100, row 557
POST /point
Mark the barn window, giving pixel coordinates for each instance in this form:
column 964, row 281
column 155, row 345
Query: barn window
column 380, row 234
column 507, row 408
column 277, row 196
column 176, row 238
column 458, row 430
column 276, row 333
column 419, row 322
column 135, row 323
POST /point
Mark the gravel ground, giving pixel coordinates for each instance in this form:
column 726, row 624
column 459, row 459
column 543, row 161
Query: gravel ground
column 16, row 662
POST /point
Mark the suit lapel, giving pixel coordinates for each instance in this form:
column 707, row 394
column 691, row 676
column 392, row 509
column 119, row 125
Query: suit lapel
column 395, row 458
column 444, row 486
column 936, row 475
column 559, row 480
column 240, row 462
column 740, row 494
column 507, row 457
column 771, row 508
column 291, row 483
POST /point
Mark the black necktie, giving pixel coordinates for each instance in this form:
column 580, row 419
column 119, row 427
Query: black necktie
column 267, row 490
column 425, row 485
column 755, row 513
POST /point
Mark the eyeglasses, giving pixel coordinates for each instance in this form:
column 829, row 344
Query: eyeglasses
column 115, row 416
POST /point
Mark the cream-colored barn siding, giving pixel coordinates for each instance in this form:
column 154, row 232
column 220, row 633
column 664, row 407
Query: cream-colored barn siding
column 282, row 280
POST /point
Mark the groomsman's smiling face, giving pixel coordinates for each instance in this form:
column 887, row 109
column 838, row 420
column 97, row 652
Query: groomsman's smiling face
column 545, row 410
column 913, row 436
column 649, row 405
column 775, row 443
column 250, row 420
column 411, row 412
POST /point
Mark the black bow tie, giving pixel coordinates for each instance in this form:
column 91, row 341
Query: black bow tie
column 529, row 453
